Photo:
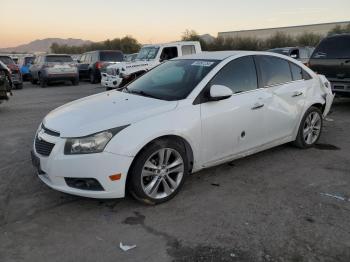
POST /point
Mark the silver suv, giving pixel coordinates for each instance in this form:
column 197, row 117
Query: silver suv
column 51, row 68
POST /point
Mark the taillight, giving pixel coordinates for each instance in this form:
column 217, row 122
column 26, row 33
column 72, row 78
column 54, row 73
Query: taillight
column 99, row 65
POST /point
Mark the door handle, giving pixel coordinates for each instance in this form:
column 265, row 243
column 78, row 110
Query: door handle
column 257, row 106
column 297, row 93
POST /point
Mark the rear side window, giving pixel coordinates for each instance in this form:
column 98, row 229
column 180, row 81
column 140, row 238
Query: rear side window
column 337, row 47
column 111, row 56
column 298, row 73
column 239, row 75
column 274, row 70
column 188, row 49
column 59, row 59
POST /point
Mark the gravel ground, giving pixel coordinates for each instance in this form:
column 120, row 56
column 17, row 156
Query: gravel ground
column 272, row 206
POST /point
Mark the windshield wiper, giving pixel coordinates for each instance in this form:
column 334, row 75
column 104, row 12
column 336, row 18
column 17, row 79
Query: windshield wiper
column 142, row 93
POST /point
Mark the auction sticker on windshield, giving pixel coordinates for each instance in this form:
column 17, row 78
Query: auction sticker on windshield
column 203, row 63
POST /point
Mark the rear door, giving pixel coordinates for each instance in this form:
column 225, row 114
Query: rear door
column 285, row 83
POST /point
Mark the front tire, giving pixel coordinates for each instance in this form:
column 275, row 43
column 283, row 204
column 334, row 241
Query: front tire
column 158, row 172
column 310, row 128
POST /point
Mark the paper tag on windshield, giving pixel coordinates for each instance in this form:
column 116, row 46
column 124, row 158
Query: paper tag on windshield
column 203, row 63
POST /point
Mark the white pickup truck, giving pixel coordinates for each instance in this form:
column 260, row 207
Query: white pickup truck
column 117, row 75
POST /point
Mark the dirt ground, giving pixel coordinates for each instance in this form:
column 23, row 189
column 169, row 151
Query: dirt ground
column 284, row 204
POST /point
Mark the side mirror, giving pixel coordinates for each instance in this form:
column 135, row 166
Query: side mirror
column 220, row 92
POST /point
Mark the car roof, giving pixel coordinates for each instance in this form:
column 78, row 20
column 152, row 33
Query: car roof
column 222, row 55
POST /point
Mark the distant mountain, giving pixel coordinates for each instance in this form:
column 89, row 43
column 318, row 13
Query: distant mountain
column 43, row 45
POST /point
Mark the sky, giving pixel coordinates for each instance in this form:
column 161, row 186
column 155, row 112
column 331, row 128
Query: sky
column 154, row 21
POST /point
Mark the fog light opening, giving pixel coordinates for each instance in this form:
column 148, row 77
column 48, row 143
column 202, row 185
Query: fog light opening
column 90, row 184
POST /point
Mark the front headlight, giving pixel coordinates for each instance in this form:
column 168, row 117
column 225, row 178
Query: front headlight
column 94, row 143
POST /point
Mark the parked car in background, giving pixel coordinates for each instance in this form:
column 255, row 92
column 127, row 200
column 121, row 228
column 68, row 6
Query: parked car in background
column 130, row 57
column 92, row 63
column 302, row 54
column 149, row 57
column 15, row 59
column 16, row 76
column 332, row 59
column 5, row 82
column 190, row 113
column 24, row 63
column 53, row 68
column 76, row 58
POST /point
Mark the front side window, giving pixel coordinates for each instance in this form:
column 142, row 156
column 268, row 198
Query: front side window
column 274, row 70
column 172, row 80
column 239, row 75
column 169, row 53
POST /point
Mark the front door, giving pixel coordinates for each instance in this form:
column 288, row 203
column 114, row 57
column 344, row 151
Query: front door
column 235, row 124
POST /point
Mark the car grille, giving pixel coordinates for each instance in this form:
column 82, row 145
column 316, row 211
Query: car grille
column 43, row 147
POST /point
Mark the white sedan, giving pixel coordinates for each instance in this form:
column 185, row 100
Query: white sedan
column 187, row 114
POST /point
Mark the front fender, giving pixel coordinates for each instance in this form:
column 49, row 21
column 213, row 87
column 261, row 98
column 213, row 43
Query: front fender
column 133, row 138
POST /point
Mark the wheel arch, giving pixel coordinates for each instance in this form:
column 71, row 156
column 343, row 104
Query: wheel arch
column 187, row 146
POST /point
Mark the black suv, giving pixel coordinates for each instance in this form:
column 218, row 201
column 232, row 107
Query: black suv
column 332, row 59
column 92, row 63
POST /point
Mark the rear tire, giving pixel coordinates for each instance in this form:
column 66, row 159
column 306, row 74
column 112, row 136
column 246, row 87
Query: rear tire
column 158, row 172
column 75, row 81
column 43, row 81
column 93, row 79
column 310, row 128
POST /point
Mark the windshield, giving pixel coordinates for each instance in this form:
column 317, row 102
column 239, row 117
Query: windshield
column 6, row 60
column 110, row 56
column 59, row 59
column 173, row 80
column 333, row 48
column 147, row 53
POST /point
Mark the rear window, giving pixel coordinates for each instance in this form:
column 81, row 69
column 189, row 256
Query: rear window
column 59, row 59
column 333, row 48
column 6, row 60
column 28, row 60
column 111, row 56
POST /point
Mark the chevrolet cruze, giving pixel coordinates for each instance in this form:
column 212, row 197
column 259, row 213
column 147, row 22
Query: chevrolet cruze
column 186, row 114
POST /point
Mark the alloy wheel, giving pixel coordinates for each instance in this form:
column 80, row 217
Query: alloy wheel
column 312, row 128
column 162, row 173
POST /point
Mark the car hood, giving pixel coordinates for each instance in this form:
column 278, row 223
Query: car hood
column 103, row 111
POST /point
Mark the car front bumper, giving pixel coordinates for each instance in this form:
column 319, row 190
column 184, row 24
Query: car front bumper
column 55, row 168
